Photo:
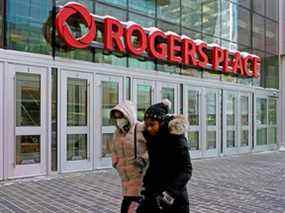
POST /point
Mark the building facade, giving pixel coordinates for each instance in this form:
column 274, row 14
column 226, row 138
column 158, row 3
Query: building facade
column 55, row 101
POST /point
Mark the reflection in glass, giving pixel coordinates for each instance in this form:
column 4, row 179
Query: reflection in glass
column 244, row 101
column 272, row 135
column 258, row 29
column 272, row 111
column 194, row 140
column 143, row 6
column 231, row 108
column 211, row 109
column 259, row 6
column 169, row 93
column 168, row 10
column 28, row 99
column 76, row 147
column 25, row 21
column 121, row 3
column 211, row 17
column 107, row 144
column 28, row 149
column 231, row 139
column 193, row 107
column 110, row 98
column 211, row 139
column 261, row 138
column 192, row 7
column 144, row 99
column 261, row 111
column 77, row 102
column 244, row 138
column 271, row 37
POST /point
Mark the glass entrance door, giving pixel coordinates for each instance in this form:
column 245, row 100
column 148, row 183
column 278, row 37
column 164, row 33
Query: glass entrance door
column 237, row 122
column 230, row 122
column 27, row 116
column 169, row 91
column 212, row 123
column 192, row 109
column 110, row 91
column 143, row 96
column 245, row 123
column 76, row 121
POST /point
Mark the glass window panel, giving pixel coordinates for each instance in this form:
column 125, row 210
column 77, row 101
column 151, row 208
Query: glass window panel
column 28, row 149
column 191, row 72
column 231, row 108
column 245, row 3
column 211, row 17
column 169, row 93
column 142, row 20
column 169, row 10
column 54, row 114
column 270, row 78
column 271, row 37
column 192, row 34
column 261, row 111
column 143, row 6
column 272, row 137
column 76, row 147
column 110, row 98
column 272, row 9
column 194, row 140
column 107, row 145
column 244, row 101
column 258, row 29
column 211, row 109
column 259, row 6
column 103, row 10
column 261, row 138
column 191, row 14
column 244, row 27
column 229, row 16
column 193, row 107
column 28, row 99
column 258, row 81
column 77, row 102
column 141, row 64
column 144, row 99
column 121, row 3
column 128, row 88
column 272, row 111
column 25, row 21
column 244, row 138
column 211, row 139
column 113, row 59
column 231, row 139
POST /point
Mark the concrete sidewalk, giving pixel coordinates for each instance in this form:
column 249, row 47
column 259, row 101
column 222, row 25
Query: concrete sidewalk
column 239, row 184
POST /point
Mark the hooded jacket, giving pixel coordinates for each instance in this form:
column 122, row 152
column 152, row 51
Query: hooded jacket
column 123, row 151
column 170, row 166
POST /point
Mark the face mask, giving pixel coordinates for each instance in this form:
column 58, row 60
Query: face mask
column 122, row 123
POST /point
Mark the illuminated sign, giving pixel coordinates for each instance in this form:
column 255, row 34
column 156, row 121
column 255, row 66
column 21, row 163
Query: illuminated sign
column 131, row 38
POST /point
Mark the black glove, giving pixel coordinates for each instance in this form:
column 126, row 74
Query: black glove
column 164, row 200
column 140, row 163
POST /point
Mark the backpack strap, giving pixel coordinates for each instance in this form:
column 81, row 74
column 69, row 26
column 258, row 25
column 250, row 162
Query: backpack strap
column 135, row 142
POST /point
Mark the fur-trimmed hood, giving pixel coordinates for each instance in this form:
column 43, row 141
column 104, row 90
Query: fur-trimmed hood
column 178, row 125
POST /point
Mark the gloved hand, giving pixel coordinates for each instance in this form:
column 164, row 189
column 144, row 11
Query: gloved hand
column 140, row 163
column 164, row 200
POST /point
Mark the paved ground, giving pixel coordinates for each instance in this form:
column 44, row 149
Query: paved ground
column 239, row 184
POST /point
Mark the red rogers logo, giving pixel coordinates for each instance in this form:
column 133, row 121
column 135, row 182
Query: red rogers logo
column 60, row 22
column 155, row 44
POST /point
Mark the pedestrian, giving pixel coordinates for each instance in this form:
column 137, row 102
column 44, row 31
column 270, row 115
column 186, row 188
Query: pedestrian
column 129, row 154
column 170, row 166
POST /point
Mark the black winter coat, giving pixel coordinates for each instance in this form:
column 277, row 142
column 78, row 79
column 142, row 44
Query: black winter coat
column 169, row 169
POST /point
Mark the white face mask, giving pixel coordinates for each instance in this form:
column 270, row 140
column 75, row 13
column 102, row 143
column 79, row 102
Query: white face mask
column 122, row 123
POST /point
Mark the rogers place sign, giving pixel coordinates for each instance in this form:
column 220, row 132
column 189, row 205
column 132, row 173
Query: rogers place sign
column 153, row 43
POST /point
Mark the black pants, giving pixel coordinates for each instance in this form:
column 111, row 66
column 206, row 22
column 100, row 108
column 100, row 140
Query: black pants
column 127, row 202
column 149, row 205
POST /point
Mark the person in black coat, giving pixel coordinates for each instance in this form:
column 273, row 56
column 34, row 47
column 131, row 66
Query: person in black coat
column 170, row 166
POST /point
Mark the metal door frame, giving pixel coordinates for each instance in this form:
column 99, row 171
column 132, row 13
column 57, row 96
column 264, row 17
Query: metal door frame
column 99, row 161
column 80, row 165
